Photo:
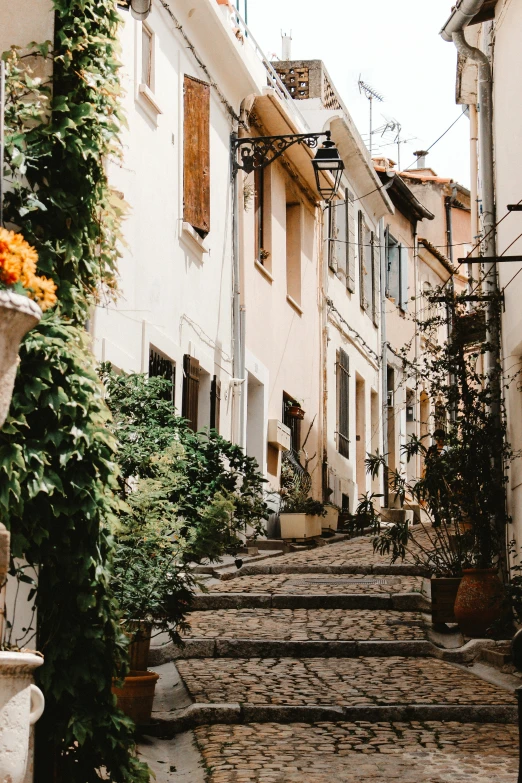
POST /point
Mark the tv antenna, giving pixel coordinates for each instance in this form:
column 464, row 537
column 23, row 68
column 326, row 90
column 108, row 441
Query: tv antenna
column 372, row 95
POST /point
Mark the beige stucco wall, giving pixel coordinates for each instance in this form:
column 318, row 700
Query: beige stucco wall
column 23, row 21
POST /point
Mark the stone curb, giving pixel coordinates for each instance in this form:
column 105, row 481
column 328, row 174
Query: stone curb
column 401, row 602
column 168, row 724
column 288, row 568
column 281, row 648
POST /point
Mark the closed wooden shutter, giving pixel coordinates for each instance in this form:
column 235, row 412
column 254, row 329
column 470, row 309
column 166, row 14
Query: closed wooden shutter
column 363, row 271
column 350, row 264
column 215, row 403
column 189, row 409
column 332, row 245
column 343, row 402
column 403, row 295
column 196, row 155
column 375, row 280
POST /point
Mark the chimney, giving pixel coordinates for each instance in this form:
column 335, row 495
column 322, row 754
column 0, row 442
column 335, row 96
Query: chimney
column 421, row 158
column 286, row 41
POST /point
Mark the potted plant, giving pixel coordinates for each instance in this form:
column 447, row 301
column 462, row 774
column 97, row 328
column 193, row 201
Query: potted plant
column 300, row 515
column 294, row 409
column 23, row 297
column 153, row 589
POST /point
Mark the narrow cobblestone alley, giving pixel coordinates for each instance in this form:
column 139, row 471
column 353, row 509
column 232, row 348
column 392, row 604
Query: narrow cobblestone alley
column 321, row 665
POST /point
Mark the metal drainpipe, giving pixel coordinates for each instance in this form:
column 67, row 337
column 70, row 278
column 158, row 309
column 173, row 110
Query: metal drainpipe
column 384, row 364
column 237, row 316
column 489, row 269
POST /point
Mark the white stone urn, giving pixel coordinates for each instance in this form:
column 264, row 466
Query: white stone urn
column 21, row 704
column 18, row 314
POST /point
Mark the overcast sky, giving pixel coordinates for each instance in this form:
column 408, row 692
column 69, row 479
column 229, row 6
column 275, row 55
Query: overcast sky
column 395, row 46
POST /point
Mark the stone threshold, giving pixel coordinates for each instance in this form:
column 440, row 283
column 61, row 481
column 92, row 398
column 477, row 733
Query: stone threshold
column 168, row 724
column 402, row 602
column 281, row 648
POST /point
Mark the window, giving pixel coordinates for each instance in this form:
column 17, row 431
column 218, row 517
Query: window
column 293, row 252
column 161, row 367
column 215, row 403
column 196, row 155
column 396, row 271
column 343, row 401
column 147, row 56
column 366, row 265
column 189, row 408
column 294, row 425
column 341, row 247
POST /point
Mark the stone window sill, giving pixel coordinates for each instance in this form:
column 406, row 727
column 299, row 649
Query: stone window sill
column 192, row 239
column 263, row 271
column 294, row 304
column 147, row 100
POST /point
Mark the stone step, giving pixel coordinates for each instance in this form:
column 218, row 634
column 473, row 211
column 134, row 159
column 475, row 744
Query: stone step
column 391, row 569
column 402, row 602
column 195, row 648
column 396, row 516
column 279, row 690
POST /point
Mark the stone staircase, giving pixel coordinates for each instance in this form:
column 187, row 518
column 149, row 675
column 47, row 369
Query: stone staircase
column 330, row 637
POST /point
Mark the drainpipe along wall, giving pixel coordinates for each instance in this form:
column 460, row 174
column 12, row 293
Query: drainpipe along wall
column 454, row 30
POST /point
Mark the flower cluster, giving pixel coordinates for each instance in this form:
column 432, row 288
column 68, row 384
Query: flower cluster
column 18, row 266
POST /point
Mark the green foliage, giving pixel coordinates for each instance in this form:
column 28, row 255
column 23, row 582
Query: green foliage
column 206, row 487
column 57, row 479
column 462, row 489
column 56, row 143
column 294, row 495
column 57, row 493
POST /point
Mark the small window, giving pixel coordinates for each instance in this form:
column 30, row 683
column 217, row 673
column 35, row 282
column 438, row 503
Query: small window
column 293, row 252
column 147, row 56
column 343, row 402
column 161, row 367
column 294, row 425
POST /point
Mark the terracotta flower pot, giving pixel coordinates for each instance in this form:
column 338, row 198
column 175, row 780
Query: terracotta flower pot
column 296, row 412
column 479, row 601
column 21, row 705
column 443, row 595
column 139, row 633
column 18, row 314
column 136, row 695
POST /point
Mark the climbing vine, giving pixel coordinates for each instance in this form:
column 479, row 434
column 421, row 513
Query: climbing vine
column 57, row 469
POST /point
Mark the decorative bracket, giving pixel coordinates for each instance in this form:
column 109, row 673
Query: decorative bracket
column 257, row 152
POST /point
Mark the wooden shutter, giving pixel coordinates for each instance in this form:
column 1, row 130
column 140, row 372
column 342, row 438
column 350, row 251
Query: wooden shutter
column 332, row 245
column 342, row 239
column 196, row 155
column 350, row 260
column 343, row 402
column 161, row 367
column 361, row 257
column 375, row 280
column 189, row 409
column 403, row 264
column 215, row 403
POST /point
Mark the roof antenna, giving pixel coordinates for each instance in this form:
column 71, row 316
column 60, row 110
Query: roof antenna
column 286, row 45
column 372, row 95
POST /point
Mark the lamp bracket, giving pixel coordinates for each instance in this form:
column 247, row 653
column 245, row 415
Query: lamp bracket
column 258, row 152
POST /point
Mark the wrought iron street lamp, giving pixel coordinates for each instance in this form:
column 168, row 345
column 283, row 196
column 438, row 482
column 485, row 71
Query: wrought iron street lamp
column 258, row 152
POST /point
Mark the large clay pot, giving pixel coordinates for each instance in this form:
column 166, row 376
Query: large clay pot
column 139, row 633
column 18, row 314
column 136, row 695
column 479, row 601
column 443, row 595
column 21, row 705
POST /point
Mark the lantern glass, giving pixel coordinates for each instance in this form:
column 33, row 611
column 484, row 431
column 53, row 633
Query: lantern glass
column 327, row 159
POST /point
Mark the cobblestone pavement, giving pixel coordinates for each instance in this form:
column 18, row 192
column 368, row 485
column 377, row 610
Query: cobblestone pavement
column 326, row 584
column 336, row 681
column 430, row 752
column 306, row 624
column 353, row 551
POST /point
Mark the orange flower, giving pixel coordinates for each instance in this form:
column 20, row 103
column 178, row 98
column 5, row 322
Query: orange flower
column 18, row 264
